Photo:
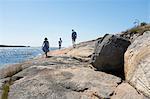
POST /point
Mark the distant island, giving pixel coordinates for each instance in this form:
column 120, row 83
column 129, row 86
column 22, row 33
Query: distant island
column 13, row 46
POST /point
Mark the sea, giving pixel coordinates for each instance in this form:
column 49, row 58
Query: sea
column 13, row 55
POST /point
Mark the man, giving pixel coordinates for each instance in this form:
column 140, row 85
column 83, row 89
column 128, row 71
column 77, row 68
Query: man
column 60, row 42
column 74, row 37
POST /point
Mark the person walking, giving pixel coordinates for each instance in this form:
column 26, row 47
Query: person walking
column 45, row 46
column 60, row 42
column 74, row 37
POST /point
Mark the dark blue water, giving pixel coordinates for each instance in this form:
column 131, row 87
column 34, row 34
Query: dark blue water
column 16, row 55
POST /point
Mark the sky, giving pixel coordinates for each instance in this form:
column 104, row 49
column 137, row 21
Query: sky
column 28, row 22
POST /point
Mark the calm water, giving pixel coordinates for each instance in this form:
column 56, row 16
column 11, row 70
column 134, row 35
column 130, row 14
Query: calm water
column 16, row 55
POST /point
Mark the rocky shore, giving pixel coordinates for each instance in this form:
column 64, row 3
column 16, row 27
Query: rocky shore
column 113, row 66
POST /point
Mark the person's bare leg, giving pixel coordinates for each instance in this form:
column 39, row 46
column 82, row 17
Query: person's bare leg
column 73, row 43
column 46, row 54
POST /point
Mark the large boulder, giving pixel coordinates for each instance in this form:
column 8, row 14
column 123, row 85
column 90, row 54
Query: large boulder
column 109, row 53
column 137, row 63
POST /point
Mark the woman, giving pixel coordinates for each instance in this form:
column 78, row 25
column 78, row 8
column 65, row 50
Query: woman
column 45, row 46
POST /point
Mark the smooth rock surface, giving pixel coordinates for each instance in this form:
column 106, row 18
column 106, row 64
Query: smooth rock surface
column 126, row 91
column 83, row 50
column 137, row 63
column 109, row 53
column 74, row 83
column 54, row 62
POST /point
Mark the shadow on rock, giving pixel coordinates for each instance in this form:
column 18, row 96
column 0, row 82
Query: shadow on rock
column 49, row 56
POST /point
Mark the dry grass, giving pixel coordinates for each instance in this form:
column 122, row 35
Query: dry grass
column 136, row 30
column 10, row 70
column 140, row 30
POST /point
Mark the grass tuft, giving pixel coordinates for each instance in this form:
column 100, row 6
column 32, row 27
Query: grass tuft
column 5, row 91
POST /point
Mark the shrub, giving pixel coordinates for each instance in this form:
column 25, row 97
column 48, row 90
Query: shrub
column 143, row 23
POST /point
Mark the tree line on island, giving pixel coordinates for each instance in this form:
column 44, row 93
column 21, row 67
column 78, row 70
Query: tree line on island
column 13, row 46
